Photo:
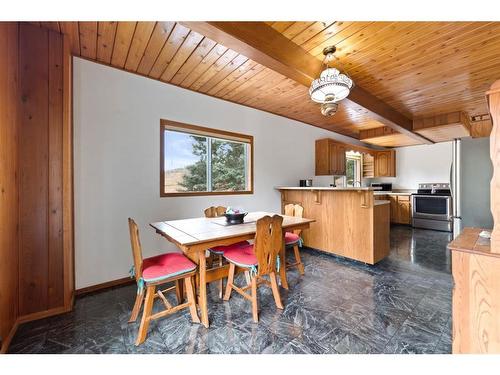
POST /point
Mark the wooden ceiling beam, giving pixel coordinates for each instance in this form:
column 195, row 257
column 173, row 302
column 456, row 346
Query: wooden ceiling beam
column 261, row 43
column 266, row 46
column 376, row 132
column 481, row 126
column 444, row 127
column 386, row 137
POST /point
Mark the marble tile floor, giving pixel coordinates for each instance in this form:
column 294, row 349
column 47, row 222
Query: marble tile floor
column 400, row 305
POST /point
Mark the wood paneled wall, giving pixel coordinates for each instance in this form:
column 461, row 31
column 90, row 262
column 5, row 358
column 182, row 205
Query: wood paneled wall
column 494, row 106
column 36, row 190
column 9, row 125
column 45, row 128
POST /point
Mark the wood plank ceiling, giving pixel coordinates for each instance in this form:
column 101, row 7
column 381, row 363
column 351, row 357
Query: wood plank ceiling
column 419, row 68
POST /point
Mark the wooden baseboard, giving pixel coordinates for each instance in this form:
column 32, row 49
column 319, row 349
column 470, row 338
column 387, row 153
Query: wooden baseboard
column 8, row 339
column 28, row 318
column 106, row 285
column 43, row 314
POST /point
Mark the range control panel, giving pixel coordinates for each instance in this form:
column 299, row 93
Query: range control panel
column 434, row 186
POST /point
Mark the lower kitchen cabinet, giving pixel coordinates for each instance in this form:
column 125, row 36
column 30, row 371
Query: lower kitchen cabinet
column 404, row 209
column 400, row 209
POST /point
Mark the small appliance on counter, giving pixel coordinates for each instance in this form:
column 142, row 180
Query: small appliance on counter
column 306, row 183
column 432, row 207
column 382, row 186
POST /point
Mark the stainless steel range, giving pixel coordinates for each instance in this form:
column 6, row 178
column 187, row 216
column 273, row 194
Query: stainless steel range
column 432, row 207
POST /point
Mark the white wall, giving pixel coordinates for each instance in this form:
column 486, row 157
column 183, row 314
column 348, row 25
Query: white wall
column 420, row 164
column 117, row 126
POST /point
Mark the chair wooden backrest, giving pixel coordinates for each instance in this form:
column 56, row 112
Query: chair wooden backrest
column 294, row 210
column 215, row 211
column 136, row 248
column 268, row 243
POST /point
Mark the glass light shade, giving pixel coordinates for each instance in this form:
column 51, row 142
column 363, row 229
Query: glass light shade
column 331, row 83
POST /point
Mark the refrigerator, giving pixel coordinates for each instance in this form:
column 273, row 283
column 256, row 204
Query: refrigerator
column 470, row 176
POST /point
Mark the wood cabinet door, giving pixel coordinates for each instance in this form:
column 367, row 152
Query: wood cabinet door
column 333, row 152
column 341, row 160
column 381, row 164
column 404, row 212
column 385, row 164
column 322, row 159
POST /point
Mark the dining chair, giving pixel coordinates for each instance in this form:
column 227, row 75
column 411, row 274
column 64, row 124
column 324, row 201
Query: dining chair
column 260, row 258
column 218, row 251
column 155, row 271
column 292, row 239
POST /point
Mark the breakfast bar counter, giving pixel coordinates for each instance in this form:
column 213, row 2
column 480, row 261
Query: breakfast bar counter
column 349, row 222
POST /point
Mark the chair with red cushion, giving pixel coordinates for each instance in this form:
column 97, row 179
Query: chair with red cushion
column 292, row 239
column 218, row 251
column 154, row 271
column 261, row 259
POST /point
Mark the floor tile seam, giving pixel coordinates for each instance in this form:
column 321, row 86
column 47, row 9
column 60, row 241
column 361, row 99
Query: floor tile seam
column 402, row 324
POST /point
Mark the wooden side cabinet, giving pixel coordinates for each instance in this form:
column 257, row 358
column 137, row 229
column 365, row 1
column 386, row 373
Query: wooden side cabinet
column 476, row 294
column 385, row 163
column 330, row 158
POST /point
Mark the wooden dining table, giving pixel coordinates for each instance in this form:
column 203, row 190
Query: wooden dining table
column 195, row 236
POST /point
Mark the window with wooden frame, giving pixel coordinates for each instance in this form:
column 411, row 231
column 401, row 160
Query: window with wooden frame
column 195, row 160
column 353, row 168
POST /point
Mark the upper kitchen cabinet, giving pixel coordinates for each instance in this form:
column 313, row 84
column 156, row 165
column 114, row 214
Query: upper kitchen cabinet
column 385, row 163
column 331, row 160
column 330, row 157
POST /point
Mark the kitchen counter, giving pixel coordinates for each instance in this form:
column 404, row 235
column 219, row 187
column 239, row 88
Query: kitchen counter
column 393, row 192
column 326, row 188
column 349, row 222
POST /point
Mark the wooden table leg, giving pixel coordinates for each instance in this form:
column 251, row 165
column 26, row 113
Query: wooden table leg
column 179, row 291
column 284, row 282
column 202, row 269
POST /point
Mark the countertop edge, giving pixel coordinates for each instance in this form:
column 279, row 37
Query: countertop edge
column 470, row 242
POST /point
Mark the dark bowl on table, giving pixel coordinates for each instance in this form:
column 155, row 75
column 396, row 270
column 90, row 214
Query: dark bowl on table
column 235, row 218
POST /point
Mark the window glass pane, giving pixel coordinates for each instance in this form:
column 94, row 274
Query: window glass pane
column 228, row 165
column 204, row 161
column 350, row 171
column 185, row 162
column 353, row 168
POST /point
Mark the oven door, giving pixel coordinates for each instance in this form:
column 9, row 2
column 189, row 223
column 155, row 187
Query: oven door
column 436, row 207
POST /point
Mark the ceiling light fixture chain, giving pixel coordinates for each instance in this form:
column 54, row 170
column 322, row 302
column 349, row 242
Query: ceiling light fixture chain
column 332, row 85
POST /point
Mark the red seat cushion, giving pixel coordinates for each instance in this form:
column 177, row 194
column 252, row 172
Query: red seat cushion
column 164, row 266
column 219, row 250
column 291, row 238
column 242, row 256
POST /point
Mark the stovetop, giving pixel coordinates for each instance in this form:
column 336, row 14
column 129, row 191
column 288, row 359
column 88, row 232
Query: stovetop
column 437, row 189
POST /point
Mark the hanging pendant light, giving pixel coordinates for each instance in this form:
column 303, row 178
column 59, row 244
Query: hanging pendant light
column 331, row 87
